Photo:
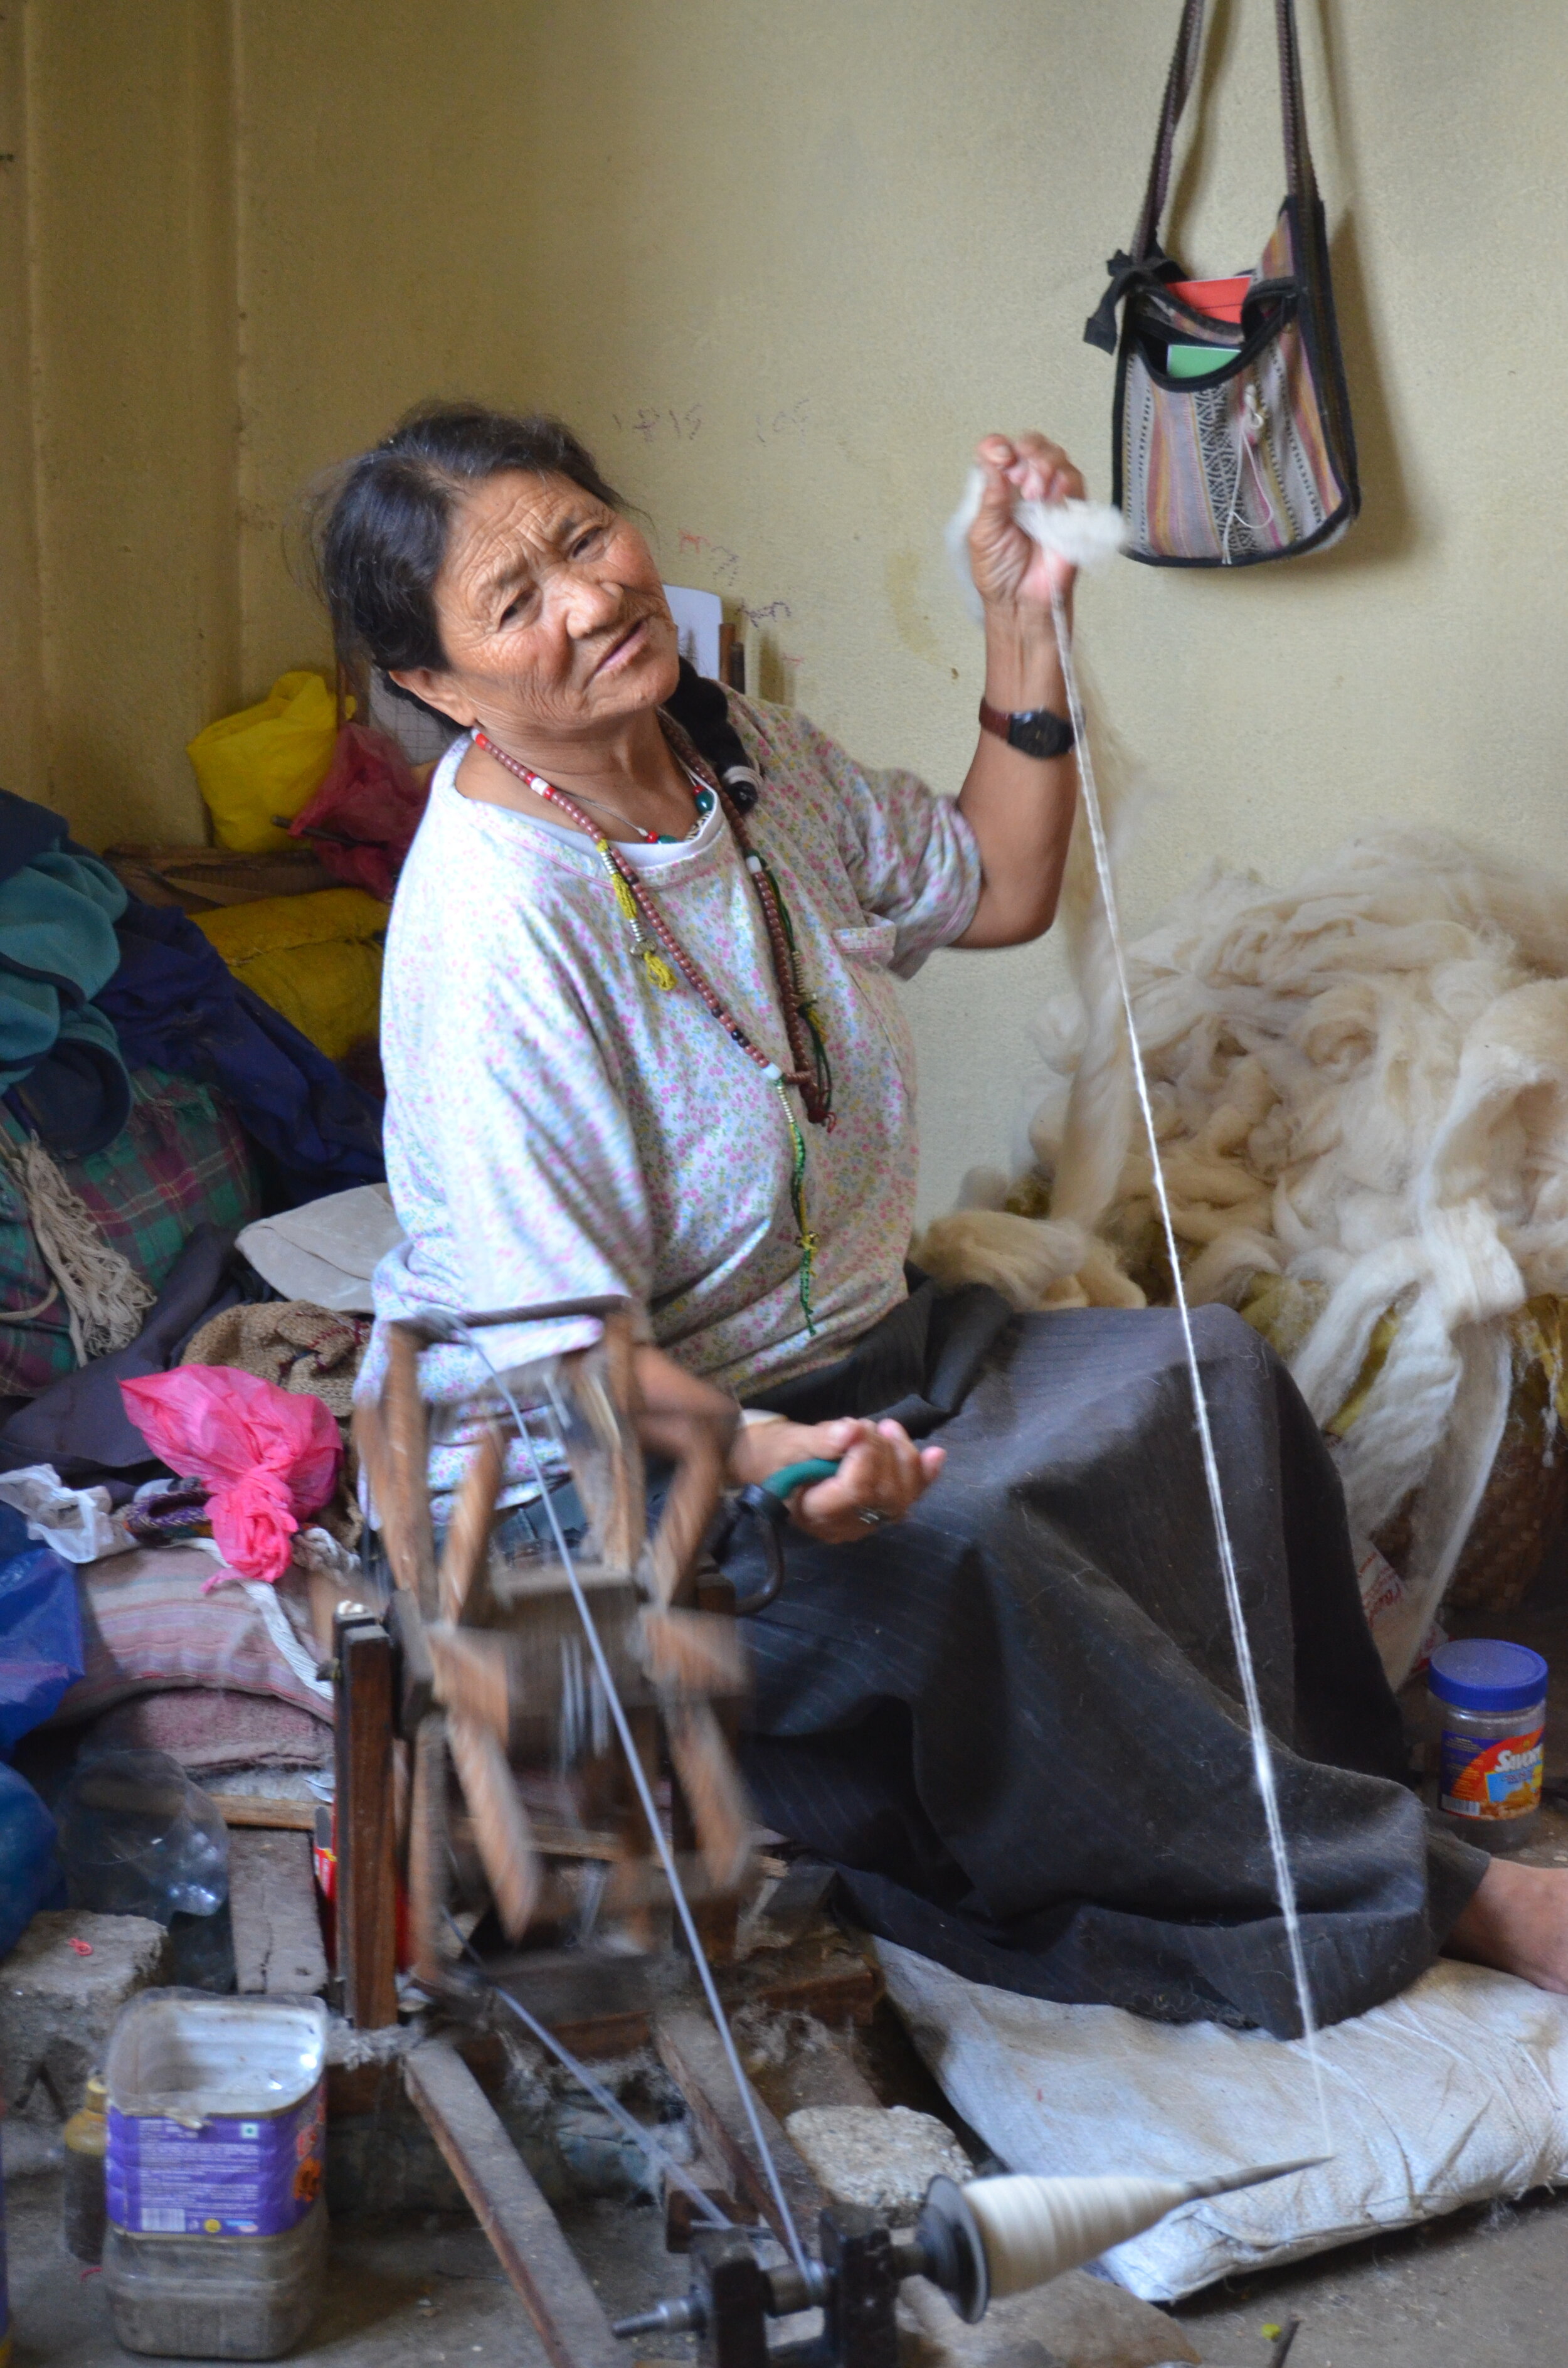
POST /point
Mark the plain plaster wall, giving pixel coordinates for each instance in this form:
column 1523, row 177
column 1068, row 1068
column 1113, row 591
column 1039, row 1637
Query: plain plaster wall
column 781, row 267
column 118, row 407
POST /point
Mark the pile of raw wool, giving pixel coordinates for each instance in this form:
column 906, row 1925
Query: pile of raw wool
column 1360, row 1085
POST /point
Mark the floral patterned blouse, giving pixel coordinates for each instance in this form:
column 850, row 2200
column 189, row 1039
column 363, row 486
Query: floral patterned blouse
column 559, row 1126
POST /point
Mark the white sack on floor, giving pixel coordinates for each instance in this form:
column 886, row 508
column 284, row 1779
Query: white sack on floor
column 1454, row 2093
column 327, row 1251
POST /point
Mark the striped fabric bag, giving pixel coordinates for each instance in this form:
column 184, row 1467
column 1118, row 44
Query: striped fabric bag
column 1248, row 456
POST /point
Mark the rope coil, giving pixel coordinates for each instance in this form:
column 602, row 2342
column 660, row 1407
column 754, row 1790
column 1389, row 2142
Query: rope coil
column 106, row 1299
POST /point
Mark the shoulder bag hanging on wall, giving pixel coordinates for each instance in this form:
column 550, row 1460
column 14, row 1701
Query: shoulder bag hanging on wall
column 1231, row 437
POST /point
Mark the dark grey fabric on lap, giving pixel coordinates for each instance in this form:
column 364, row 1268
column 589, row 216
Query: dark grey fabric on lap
column 1013, row 1721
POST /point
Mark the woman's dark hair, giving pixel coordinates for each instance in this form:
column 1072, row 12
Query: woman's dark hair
column 379, row 531
column 378, row 536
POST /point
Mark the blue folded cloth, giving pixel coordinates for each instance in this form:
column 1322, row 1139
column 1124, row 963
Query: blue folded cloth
column 94, row 983
column 26, row 831
column 175, row 1006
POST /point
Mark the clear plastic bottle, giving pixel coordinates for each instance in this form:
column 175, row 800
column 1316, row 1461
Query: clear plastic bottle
column 1489, row 1715
column 137, row 1838
column 216, row 2242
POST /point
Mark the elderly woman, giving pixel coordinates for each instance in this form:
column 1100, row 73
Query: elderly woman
column 643, row 1035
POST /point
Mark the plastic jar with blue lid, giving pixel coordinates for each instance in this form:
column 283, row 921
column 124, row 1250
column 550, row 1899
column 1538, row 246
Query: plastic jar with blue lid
column 1488, row 1700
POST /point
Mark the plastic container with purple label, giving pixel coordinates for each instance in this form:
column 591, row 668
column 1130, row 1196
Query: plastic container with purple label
column 1489, row 1714
column 216, row 2241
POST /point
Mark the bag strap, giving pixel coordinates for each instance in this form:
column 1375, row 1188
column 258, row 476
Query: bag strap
column 1301, row 179
column 1148, row 259
column 1178, row 84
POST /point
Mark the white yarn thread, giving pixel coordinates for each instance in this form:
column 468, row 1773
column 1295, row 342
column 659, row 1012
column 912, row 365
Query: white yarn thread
column 1362, row 1075
column 106, row 1299
column 1035, row 2229
column 1085, row 533
column 1263, row 1757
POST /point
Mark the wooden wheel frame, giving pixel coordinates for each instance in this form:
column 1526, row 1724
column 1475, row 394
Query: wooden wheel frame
column 512, row 1768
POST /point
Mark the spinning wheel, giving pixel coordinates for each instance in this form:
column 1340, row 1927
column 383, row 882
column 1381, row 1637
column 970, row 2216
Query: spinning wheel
column 515, row 1715
column 542, row 1696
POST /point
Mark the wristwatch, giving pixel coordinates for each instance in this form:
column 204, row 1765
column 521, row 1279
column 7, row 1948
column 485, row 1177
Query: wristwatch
column 1033, row 731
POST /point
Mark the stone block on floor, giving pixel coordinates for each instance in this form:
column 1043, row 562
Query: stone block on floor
column 58, row 2004
column 882, row 2156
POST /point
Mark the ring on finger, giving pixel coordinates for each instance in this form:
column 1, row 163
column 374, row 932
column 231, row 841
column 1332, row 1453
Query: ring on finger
column 872, row 1518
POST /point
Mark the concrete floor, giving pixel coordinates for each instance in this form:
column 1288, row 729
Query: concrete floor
column 1483, row 2289
column 409, row 2291
column 1480, row 2289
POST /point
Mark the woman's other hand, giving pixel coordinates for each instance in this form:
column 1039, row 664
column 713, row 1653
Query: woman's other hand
column 1010, row 571
column 881, row 1473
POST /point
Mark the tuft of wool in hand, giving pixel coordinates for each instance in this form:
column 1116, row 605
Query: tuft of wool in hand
column 1087, row 533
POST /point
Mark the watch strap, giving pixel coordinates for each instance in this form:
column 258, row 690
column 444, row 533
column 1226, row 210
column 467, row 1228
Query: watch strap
column 1033, row 731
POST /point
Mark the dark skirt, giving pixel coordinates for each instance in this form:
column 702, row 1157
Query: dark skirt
column 1013, row 1721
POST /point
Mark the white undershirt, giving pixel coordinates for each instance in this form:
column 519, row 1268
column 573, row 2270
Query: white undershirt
column 638, row 852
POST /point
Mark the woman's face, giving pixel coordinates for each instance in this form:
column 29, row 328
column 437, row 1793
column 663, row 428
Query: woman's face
column 551, row 612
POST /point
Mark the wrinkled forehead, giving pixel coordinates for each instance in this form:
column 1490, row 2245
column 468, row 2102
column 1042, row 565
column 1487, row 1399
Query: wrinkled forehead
column 510, row 526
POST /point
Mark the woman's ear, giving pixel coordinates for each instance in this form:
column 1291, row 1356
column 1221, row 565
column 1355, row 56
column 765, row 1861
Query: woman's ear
column 437, row 690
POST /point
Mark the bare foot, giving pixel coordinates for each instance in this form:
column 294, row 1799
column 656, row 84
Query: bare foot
column 1517, row 1920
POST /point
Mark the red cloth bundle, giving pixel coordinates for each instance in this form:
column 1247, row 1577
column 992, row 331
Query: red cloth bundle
column 362, row 821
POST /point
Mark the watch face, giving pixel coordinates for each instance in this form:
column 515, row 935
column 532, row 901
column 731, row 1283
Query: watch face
column 1039, row 734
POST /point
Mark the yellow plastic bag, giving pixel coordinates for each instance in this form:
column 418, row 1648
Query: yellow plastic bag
column 268, row 760
column 316, row 959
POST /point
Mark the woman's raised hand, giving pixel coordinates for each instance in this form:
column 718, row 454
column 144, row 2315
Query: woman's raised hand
column 881, row 1473
column 1010, row 571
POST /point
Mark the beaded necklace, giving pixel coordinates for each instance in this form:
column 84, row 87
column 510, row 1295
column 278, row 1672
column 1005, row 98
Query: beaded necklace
column 663, row 955
column 705, row 802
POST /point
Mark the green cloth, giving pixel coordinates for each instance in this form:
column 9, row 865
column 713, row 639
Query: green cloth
column 61, row 1072
column 57, row 949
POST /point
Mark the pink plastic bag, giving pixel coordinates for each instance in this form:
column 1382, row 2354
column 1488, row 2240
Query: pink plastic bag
column 362, row 821
column 269, row 1457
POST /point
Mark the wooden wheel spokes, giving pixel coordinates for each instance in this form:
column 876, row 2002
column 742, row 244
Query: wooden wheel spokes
column 714, row 1794
column 494, row 1646
column 602, row 1446
column 693, row 1653
column 427, row 1844
column 501, row 1827
column 472, row 1676
column 467, row 1547
column 690, row 1508
column 404, row 1448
